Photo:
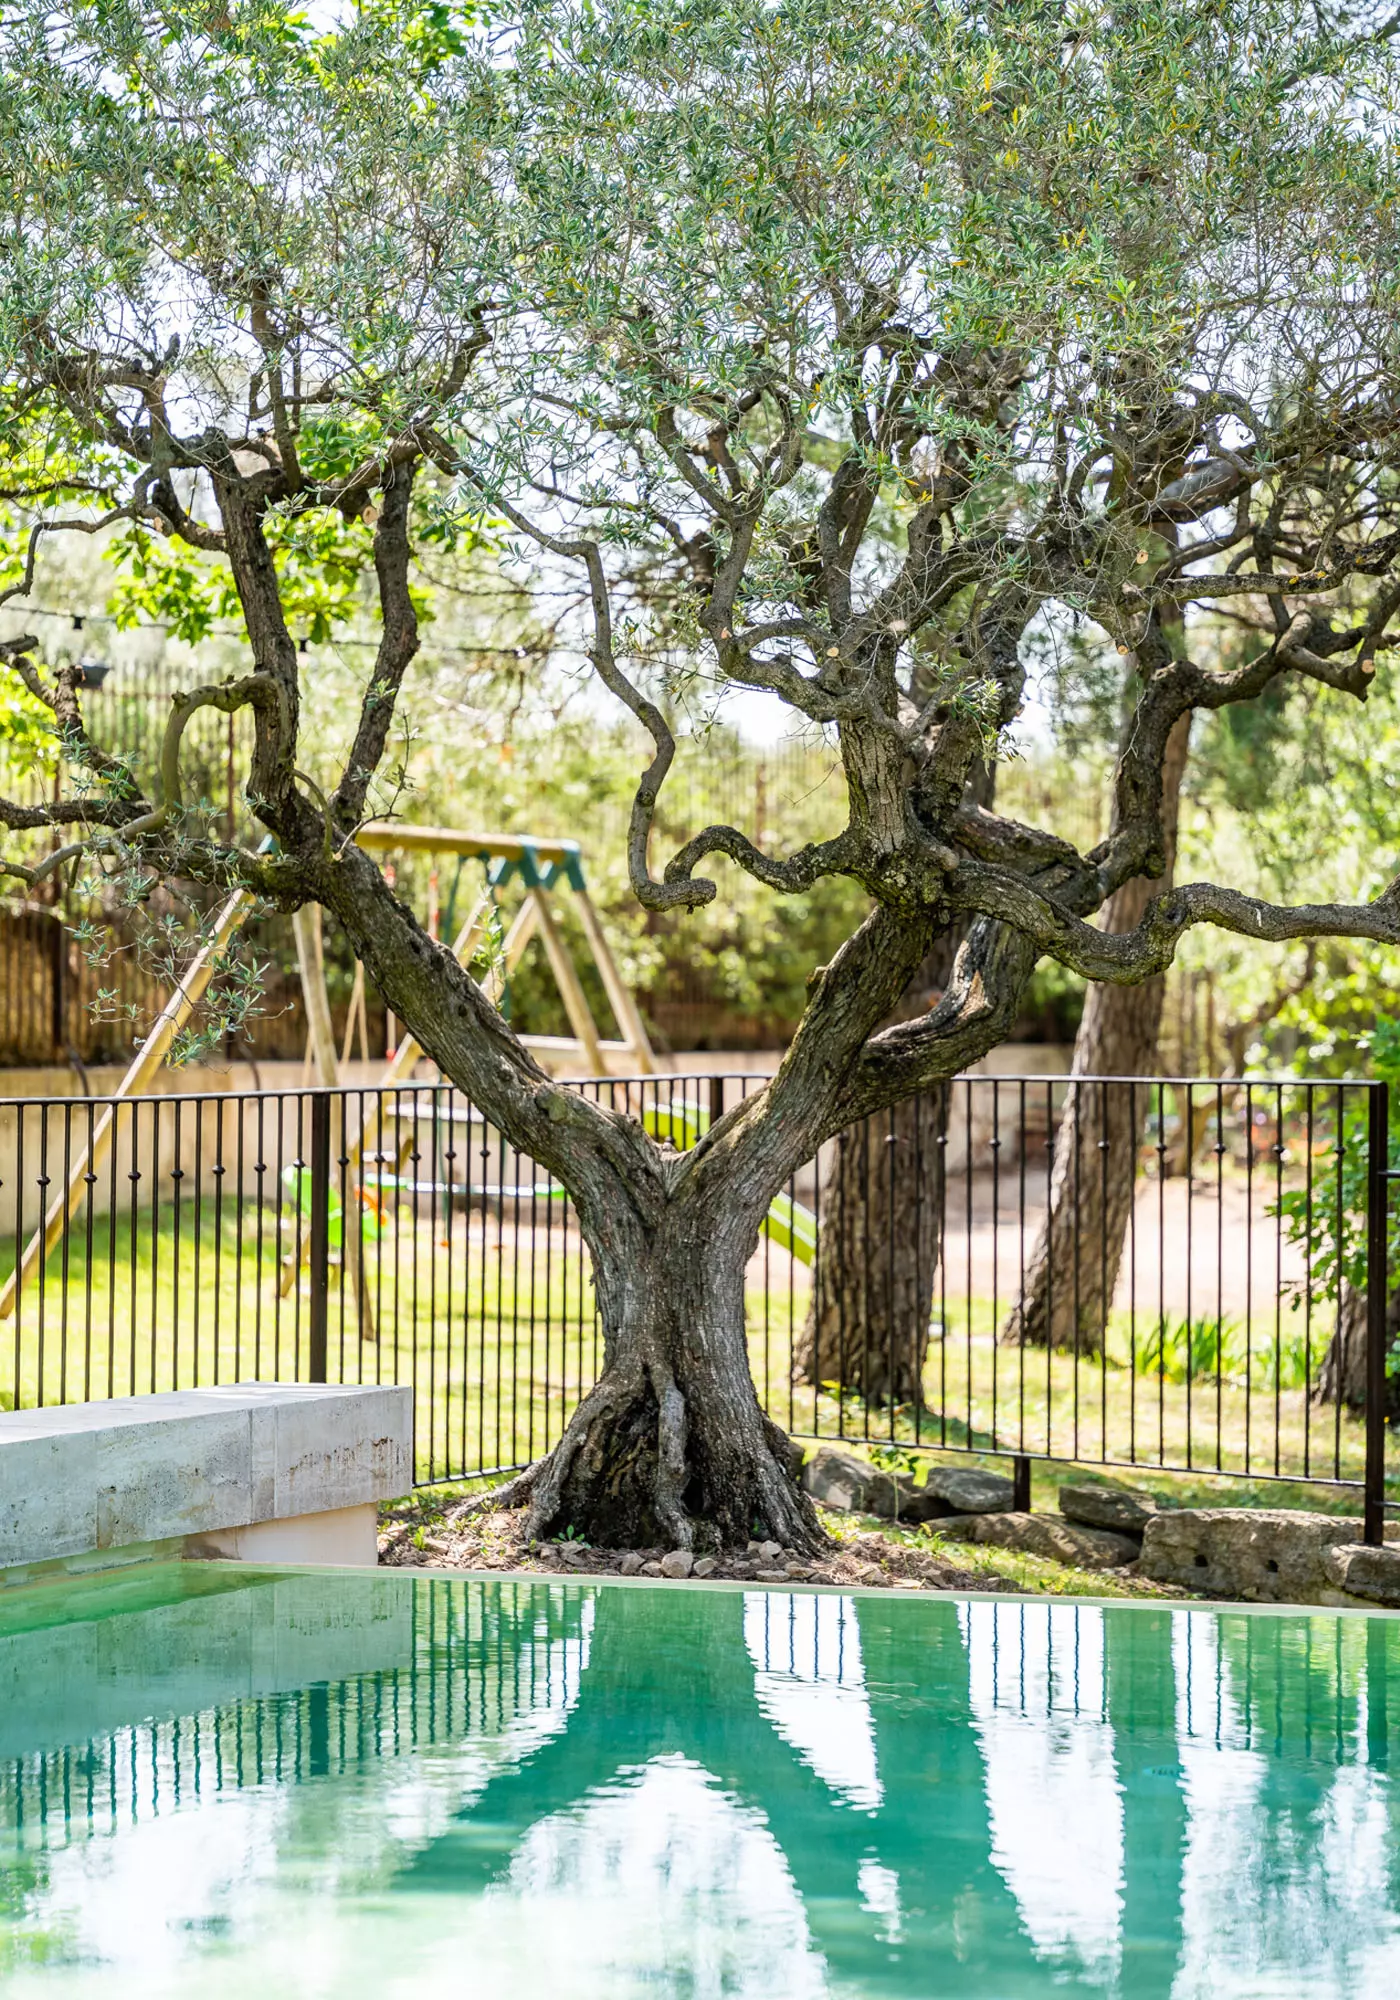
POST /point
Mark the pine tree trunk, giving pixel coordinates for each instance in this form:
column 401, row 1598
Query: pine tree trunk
column 880, row 1236
column 878, row 1243
column 1342, row 1376
column 1073, row 1270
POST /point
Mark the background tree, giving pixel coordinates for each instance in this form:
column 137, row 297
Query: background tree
column 718, row 284
column 1073, row 1269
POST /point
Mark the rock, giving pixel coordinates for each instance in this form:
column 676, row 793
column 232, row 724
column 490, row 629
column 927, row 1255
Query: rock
column 1114, row 1507
column 769, row 1551
column 770, row 1576
column 839, row 1480
column 1362, row 1571
column 1264, row 1555
column 797, row 1572
column 705, row 1567
column 753, row 1548
column 631, row 1564
column 962, row 1489
column 680, row 1562
column 850, row 1484
column 650, row 1569
column 1047, row 1535
column 573, row 1554
column 741, row 1569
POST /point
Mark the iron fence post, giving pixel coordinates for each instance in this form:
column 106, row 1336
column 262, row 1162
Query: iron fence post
column 1377, row 1277
column 320, row 1227
column 716, row 1099
column 1020, row 1484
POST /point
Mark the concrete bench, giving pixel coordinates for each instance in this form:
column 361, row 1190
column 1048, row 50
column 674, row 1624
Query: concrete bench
column 259, row 1471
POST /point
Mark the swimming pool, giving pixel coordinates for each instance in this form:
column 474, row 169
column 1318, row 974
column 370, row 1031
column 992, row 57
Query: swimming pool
column 222, row 1782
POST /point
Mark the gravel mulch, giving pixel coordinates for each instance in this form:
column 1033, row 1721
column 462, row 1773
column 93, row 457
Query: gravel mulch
column 497, row 1542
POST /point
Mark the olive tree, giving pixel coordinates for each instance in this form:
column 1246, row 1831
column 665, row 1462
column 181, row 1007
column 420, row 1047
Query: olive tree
column 904, row 337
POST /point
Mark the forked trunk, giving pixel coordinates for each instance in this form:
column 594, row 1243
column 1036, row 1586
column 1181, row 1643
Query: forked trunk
column 671, row 1448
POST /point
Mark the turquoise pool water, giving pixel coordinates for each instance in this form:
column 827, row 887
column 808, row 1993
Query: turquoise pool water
column 220, row 1782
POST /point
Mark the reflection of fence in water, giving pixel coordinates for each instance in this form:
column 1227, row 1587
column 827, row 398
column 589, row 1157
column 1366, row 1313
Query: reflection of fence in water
column 451, row 1261
column 495, row 1667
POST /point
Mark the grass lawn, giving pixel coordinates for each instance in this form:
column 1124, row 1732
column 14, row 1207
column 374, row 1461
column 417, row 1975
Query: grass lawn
column 497, row 1333
column 1236, row 1433
column 495, row 1328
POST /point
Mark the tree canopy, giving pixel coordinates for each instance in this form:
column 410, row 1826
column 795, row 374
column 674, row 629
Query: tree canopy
column 887, row 342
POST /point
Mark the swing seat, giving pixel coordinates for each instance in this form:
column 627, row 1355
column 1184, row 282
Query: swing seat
column 297, row 1181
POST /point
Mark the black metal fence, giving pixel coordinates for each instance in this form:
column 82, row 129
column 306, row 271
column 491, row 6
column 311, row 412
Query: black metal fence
column 898, row 1296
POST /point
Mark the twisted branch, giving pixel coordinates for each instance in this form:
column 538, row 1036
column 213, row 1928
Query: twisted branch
column 254, row 691
column 1126, row 958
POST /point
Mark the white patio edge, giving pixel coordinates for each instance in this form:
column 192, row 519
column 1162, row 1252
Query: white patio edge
column 258, row 1471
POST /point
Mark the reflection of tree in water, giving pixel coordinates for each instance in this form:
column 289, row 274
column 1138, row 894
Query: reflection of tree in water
column 672, row 1676
column 805, row 1794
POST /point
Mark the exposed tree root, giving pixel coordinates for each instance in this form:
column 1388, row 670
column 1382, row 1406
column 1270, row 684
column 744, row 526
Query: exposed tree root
column 497, row 1498
column 640, row 1466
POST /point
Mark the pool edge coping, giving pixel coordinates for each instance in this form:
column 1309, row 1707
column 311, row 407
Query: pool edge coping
column 798, row 1588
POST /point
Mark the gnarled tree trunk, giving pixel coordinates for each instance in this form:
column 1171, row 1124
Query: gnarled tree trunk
column 672, row 1435
column 1073, row 1270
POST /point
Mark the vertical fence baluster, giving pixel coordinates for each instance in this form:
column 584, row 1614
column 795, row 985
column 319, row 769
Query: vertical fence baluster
column 320, row 1237
column 1377, row 1293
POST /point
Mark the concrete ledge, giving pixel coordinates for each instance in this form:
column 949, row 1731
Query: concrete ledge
column 198, row 1464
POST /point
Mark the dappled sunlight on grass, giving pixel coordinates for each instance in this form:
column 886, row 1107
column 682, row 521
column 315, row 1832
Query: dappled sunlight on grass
column 1142, row 1401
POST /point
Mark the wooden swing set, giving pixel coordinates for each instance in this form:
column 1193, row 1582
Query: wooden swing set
column 541, row 865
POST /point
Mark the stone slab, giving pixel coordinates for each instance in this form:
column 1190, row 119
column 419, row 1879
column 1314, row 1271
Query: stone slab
column 1364, row 1572
column 970, row 1489
column 1047, row 1536
column 1113, row 1507
column 1264, row 1555
column 839, row 1479
column 142, row 1469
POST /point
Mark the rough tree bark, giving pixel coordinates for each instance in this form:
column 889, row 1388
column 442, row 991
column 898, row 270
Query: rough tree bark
column 880, row 1226
column 671, row 1445
column 1073, row 1270
column 1342, row 1376
column 879, row 1236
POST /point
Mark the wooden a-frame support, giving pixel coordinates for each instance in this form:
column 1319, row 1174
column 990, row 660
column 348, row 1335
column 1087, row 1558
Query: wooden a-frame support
column 541, row 864
column 172, row 1017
